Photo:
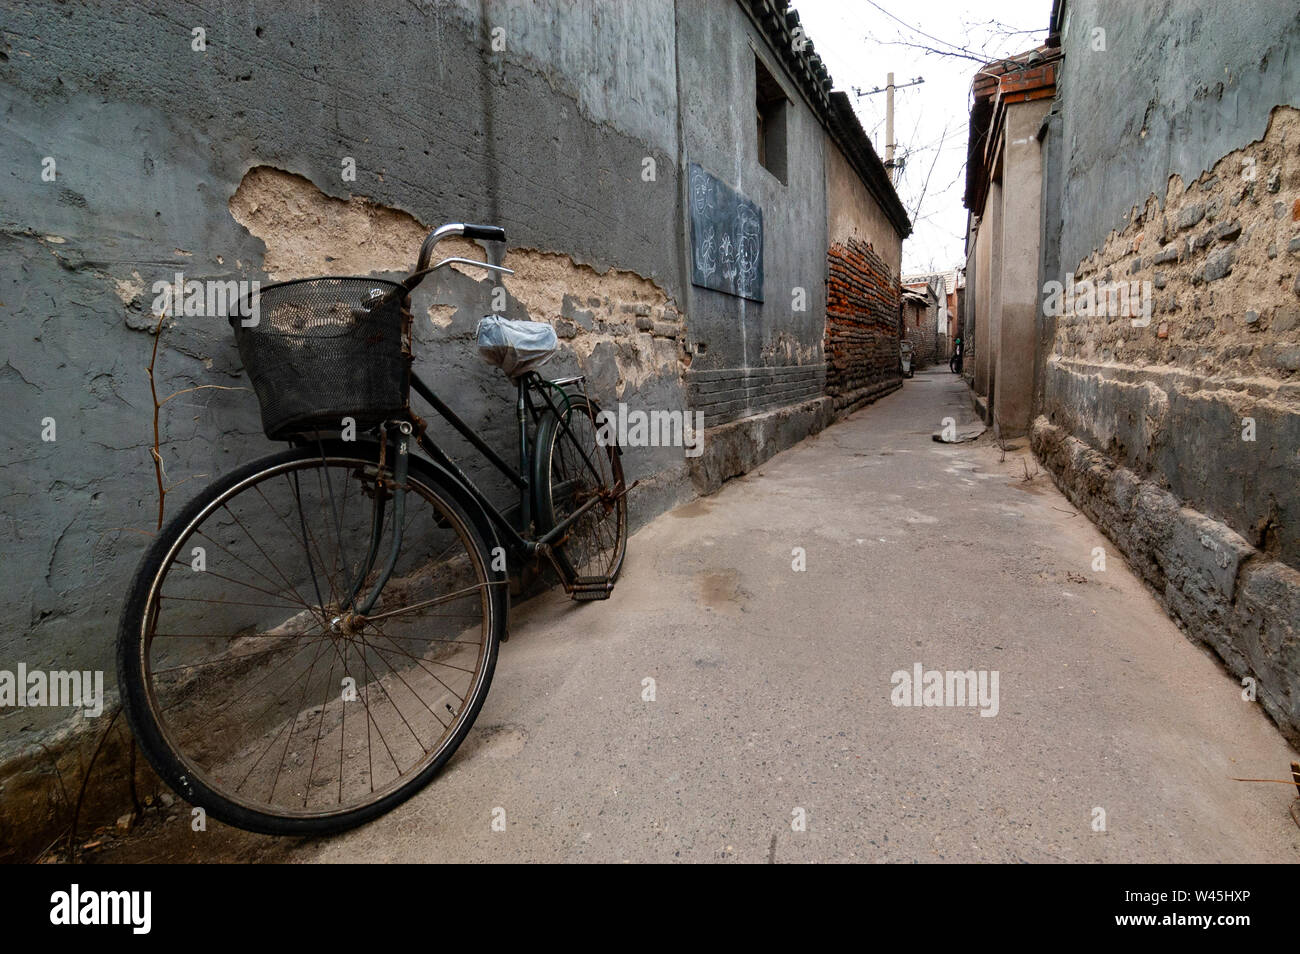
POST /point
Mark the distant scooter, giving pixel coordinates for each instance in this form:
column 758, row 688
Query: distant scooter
column 905, row 357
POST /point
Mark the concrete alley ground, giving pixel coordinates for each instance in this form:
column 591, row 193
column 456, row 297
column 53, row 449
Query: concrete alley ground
column 772, row 687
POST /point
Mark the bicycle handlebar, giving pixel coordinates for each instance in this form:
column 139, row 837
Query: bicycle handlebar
column 482, row 233
column 485, row 233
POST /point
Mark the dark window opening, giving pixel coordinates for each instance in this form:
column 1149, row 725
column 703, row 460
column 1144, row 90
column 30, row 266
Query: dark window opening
column 771, row 108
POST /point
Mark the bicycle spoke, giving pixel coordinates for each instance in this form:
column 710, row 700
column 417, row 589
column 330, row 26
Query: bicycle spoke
column 431, row 673
column 320, row 725
column 274, row 565
column 199, row 533
column 292, row 722
column 438, row 601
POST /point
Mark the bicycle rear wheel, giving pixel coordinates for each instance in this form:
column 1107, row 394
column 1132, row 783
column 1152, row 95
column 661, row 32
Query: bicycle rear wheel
column 572, row 467
column 252, row 692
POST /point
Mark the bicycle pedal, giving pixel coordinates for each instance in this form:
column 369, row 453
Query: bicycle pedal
column 586, row 588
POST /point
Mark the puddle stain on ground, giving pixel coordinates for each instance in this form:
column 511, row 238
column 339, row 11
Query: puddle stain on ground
column 696, row 508
column 1030, row 486
column 494, row 741
column 720, row 590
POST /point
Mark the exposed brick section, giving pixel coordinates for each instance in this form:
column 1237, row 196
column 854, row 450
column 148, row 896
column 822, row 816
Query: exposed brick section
column 862, row 302
column 1027, row 82
column 727, row 394
column 919, row 327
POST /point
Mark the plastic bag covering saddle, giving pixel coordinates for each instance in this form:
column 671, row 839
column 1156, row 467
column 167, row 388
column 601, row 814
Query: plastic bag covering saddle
column 516, row 347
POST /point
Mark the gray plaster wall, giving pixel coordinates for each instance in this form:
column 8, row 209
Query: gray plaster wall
column 1180, row 84
column 547, row 137
column 1049, row 246
column 717, row 45
column 1017, row 282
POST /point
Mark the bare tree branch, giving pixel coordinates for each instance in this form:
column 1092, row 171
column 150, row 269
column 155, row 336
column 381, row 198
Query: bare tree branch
column 930, row 49
column 953, row 49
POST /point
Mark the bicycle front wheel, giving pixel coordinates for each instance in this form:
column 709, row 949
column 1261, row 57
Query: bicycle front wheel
column 252, row 691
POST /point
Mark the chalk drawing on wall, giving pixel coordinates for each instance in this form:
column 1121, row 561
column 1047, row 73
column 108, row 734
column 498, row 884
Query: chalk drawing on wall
column 726, row 237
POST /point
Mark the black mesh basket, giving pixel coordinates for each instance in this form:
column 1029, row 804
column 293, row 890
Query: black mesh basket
column 324, row 349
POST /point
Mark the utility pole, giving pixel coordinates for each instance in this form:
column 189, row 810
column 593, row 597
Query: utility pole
column 888, row 90
column 889, row 125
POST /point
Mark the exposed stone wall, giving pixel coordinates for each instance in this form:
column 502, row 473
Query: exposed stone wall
column 1221, row 254
column 622, row 330
column 1216, row 585
column 1181, row 437
column 1221, row 260
column 862, row 306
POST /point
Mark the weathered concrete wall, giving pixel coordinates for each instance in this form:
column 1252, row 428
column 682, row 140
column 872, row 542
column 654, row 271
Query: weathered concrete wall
column 981, row 333
column 153, row 139
column 970, row 301
column 745, row 341
column 1181, row 436
column 1052, row 158
column 851, row 213
column 1222, row 346
column 1213, row 582
column 229, row 162
column 997, row 249
column 1177, row 87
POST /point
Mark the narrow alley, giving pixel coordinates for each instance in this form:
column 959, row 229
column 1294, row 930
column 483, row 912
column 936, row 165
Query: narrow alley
column 772, row 687
column 673, row 432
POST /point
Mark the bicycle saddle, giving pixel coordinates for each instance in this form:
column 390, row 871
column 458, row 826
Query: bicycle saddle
column 516, row 347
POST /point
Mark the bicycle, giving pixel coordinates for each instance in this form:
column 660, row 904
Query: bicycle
column 285, row 662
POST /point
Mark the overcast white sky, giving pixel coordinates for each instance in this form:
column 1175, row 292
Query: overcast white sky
column 860, row 43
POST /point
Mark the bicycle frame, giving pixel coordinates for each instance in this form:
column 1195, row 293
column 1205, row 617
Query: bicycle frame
column 521, row 478
column 517, row 538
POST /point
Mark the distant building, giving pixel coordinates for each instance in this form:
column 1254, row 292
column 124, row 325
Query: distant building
column 922, row 310
column 947, row 287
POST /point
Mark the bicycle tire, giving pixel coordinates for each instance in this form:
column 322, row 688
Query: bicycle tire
column 178, row 768
column 553, row 507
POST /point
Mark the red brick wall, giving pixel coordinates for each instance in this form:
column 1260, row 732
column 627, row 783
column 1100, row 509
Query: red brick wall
column 862, row 302
column 920, row 329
